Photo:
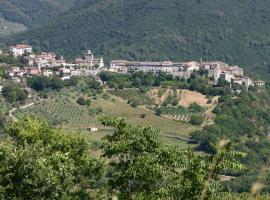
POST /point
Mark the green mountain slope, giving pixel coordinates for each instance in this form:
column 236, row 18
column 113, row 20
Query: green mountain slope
column 30, row 12
column 8, row 27
column 233, row 31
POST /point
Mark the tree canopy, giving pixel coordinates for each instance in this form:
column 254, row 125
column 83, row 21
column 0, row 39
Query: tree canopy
column 40, row 162
column 143, row 168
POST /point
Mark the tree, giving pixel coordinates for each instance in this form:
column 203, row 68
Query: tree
column 195, row 108
column 82, row 101
column 143, row 168
column 158, row 112
column 56, row 83
column 13, row 93
column 40, row 162
column 222, row 82
column 38, row 83
column 196, row 119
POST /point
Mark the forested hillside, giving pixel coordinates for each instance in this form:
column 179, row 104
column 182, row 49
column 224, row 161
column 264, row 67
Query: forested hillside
column 231, row 31
column 30, row 12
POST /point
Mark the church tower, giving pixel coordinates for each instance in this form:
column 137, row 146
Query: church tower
column 89, row 57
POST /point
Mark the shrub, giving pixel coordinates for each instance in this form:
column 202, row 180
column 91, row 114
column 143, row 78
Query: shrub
column 196, row 119
column 84, row 102
column 195, row 108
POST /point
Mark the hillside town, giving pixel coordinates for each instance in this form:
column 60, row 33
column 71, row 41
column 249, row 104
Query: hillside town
column 49, row 64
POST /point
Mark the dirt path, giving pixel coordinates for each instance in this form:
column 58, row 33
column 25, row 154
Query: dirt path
column 178, row 137
column 13, row 110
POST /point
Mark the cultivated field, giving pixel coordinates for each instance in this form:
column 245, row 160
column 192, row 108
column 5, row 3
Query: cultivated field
column 184, row 98
column 61, row 110
column 65, row 111
column 141, row 116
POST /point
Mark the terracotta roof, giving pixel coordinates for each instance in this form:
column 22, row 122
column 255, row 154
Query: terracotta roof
column 23, row 46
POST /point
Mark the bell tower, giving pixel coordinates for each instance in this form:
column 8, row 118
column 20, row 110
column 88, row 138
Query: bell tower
column 89, row 57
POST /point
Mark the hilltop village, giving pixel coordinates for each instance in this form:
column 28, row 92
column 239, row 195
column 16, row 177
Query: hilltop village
column 49, row 64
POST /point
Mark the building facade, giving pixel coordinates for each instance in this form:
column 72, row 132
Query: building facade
column 215, row 70
column 20, row 50
column 90, row 61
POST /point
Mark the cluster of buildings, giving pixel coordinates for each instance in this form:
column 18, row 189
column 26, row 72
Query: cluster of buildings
column 17, row 74
column 40, row 64
column 49, row 64
column 45, row 60
column 215, row 70
column 50, row 59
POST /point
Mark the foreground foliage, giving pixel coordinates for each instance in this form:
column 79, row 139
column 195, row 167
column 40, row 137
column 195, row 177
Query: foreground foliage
column 39, row 162
column 245, row 119
column 142, row 168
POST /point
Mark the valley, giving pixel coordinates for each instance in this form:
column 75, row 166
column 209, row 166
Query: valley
column 171, row 102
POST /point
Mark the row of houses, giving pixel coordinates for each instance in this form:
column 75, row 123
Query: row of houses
column 17, row 74
column 215, row 70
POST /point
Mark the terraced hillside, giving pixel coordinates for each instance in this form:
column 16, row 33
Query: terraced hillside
column 61, row 110
column 133, row 96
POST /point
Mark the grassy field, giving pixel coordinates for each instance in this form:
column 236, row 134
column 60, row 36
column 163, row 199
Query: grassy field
column 185, row 97
column 133, row 95
column 134, row 115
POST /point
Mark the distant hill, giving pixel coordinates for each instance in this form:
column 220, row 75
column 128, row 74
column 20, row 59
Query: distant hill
column 232, row 31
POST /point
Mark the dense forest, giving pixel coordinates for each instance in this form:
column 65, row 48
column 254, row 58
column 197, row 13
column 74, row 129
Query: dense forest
column 31, row 12
column 230, row 31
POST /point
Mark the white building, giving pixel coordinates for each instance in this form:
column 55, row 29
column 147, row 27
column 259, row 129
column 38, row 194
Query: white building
column 259, row 83
column 47, row 73
column 20, row 49
column 65, row 71
column 92, row 129
column 247, row 81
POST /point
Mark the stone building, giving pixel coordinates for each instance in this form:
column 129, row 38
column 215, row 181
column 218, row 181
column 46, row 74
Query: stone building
column 90, row 61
